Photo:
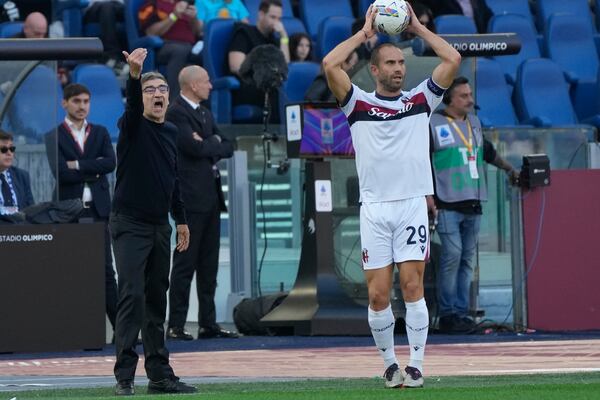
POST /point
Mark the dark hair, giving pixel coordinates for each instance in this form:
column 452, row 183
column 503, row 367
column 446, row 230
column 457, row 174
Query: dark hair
column 265, row 4
column 5, row 136
column 75, row 89
column 377, row 49
column 357, row 25
column 148, row 76
column 420, row 9
column 293, row 45
column 459, row 80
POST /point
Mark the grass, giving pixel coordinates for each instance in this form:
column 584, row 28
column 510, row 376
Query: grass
column 581, row 386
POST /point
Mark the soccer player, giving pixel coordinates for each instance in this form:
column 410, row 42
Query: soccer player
column 390, row 134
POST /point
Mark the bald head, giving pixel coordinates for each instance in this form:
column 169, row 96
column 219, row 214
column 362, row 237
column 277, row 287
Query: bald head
column 194, row 83
column 35, row 26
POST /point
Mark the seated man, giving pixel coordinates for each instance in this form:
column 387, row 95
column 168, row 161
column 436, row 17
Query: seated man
column 177, row 24
column 319, row 90
column 247, row 37
column 34, row 27
column 15, row 186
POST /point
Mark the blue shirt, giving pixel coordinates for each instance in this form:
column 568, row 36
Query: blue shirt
column 211, row 9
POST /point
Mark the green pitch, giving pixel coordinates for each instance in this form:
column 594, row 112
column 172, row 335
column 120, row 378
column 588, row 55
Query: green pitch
column 577, row 386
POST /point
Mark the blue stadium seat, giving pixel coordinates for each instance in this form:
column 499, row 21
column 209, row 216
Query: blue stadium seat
column 570, row 43
column 545, row 9
column 135, row 39
column 363, row 6
column 300, row 76
column 293, row 25
column 454, row 24
column 492, row 95
column 313, row 12
column 522, row 26
column 332, row 32
column 73, row 24
column 36, row 107
column 252, row 6
column 9, row 29
column 541, row 96
column 520, row 7
column 106, row 99
column 217, row 36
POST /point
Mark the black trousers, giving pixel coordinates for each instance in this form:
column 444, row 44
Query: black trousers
column 142, row 254
column 201, row 257
column 110, row 288
column 107, row 14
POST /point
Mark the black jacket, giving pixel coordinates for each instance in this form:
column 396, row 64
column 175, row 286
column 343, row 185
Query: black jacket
column 97, row 160
column 22, row 186
column 199, row 182
column 481, row 12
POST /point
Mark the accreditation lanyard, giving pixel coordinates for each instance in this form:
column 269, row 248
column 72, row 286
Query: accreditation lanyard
column 471, row 158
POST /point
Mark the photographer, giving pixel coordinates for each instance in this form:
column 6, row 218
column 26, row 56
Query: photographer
column 458, row 151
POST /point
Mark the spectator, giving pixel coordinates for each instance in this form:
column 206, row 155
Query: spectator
column 364, row 50
column 107, row 13
column 147, row 188
column 81, row 156
column 319, row 89
column 34, row 27
column 200, row 146
column 425, row 17
column 245, row 38
column 15, row 185
column 475, row 9
column 212, row 9
column 177, row 23
column 300, row 48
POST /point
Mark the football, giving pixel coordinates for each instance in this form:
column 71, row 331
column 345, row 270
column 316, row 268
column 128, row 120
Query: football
column 392, row 16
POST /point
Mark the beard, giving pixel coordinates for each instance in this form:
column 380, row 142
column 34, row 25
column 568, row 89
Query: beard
column 388, row 83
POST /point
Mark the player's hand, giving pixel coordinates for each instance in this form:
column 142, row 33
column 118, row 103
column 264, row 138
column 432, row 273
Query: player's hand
column 415, row 25
column 183, row 238
column 431, row 208
column 136, row 61
column 368, row 27
column 197, row 137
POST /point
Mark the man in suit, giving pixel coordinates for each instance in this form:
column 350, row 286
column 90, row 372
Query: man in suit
column 15, row 186
column 200, row 146
column 80, row 162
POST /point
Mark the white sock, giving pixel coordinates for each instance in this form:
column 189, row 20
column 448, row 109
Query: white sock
column 417, row 325
column 382, row 328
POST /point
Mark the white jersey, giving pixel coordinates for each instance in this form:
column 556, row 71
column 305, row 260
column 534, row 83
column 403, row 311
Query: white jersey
column 391, row 140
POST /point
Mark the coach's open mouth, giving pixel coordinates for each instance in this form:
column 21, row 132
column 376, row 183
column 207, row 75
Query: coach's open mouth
column 158, row 105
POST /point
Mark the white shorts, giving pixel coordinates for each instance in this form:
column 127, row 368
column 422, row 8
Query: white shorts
column 394, row 231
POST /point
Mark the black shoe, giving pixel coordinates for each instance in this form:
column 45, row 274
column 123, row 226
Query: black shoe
column 124, row 388
column 178, row 334
column 216, row 332
column 454, row 324
column 169, row 385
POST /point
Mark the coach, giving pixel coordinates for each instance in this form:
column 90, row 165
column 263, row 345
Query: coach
column 146, row 189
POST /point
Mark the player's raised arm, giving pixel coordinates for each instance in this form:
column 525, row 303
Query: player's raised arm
column 337, row 79
column 445, row 72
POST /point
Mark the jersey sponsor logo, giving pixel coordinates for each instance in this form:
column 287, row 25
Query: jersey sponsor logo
column 364, row 111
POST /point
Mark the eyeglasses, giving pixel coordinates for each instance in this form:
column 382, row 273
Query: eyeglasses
column 6, row 149
column 153, row 89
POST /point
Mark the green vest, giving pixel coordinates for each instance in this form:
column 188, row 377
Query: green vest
column 453, row 180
